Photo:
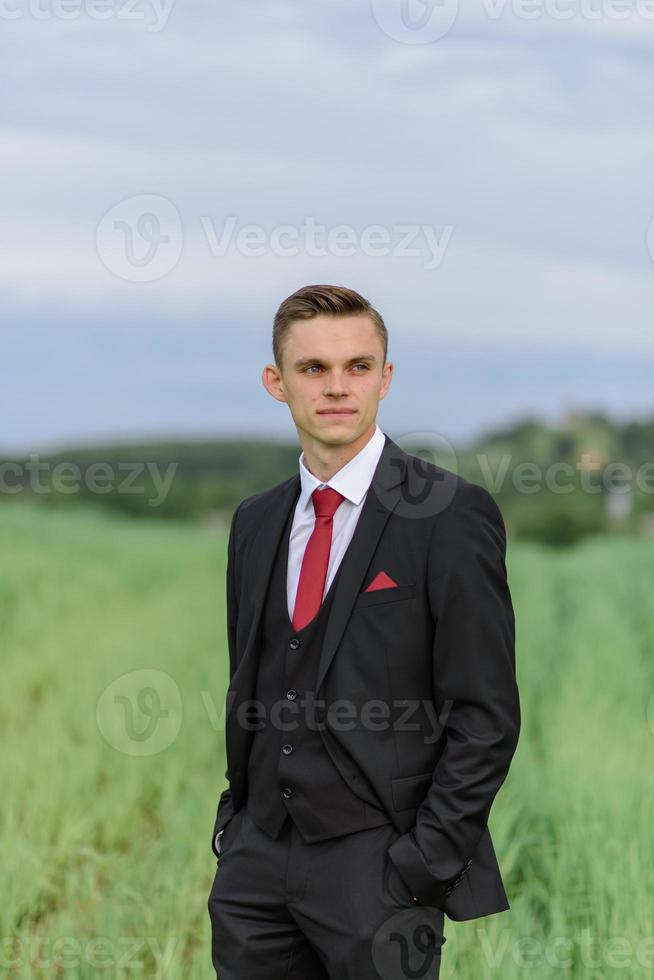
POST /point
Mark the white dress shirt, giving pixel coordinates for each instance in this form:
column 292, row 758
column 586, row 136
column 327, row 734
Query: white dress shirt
column 353, row 481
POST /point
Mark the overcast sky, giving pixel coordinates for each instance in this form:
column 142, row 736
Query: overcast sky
column 482, row 175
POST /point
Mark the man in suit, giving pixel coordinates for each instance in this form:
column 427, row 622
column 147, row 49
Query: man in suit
column 372, row 709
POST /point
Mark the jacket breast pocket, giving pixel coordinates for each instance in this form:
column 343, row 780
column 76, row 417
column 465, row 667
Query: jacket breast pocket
column 382, row 596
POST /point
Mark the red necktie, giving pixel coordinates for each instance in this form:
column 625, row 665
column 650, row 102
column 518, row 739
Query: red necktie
column 316, row 557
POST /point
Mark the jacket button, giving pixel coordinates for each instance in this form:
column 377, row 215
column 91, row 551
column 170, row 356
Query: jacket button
column 291, row 695
column 287, row 749
column 287, row 792
column 294, row 643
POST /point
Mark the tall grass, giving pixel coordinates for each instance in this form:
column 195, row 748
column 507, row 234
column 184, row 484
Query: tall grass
column 105, row 852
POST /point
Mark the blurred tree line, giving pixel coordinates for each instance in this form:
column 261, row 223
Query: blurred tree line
column 554, row 484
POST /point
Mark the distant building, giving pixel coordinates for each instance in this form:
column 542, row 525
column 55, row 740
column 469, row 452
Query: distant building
column 619, row 505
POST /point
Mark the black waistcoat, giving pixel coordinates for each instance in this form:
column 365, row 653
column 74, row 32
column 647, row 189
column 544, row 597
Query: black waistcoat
column 290, row 772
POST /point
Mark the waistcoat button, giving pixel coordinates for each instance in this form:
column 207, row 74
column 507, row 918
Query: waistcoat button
column 294, row 643
column 287, row 749
column 287, row 792
column 291, row 695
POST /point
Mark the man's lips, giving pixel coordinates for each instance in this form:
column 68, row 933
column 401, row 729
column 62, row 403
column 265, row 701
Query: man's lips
column 337, row 411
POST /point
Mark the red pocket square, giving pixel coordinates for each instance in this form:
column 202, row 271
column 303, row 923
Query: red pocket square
column 381, row 581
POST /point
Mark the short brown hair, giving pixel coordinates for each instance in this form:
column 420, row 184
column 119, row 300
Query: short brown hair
column 312, row 301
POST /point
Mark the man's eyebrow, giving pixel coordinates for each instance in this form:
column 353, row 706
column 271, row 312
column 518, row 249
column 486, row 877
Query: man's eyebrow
column 304, row 361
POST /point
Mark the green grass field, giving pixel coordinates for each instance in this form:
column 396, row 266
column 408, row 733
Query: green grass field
column 105, row 827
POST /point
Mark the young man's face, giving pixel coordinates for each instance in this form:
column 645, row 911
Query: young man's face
column 332, row 377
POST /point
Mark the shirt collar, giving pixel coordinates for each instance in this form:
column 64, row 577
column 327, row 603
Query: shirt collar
column 352, row 480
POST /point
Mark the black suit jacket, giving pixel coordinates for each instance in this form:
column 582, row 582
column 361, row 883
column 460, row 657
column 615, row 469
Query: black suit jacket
column 427, row 669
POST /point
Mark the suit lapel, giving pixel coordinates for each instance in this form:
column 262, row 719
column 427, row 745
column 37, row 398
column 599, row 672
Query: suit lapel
column 264, row 548
column 383, row 496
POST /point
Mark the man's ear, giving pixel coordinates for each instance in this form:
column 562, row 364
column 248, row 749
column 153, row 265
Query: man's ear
column 386, row 379
column 273, row 383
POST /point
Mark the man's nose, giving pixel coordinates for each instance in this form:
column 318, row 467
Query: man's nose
column 335, row 385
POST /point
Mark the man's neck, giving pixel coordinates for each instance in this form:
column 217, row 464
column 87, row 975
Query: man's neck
column 324, row 461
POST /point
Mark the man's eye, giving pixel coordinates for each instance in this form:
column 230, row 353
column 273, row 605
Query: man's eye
column 318, row 367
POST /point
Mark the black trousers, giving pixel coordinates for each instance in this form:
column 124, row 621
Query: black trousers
column 332, row 910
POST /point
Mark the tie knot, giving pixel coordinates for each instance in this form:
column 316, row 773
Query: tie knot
column 326, row 501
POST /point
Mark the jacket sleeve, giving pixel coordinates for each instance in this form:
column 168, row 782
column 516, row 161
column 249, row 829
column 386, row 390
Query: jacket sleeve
column 225, row 808
column 475, row 693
